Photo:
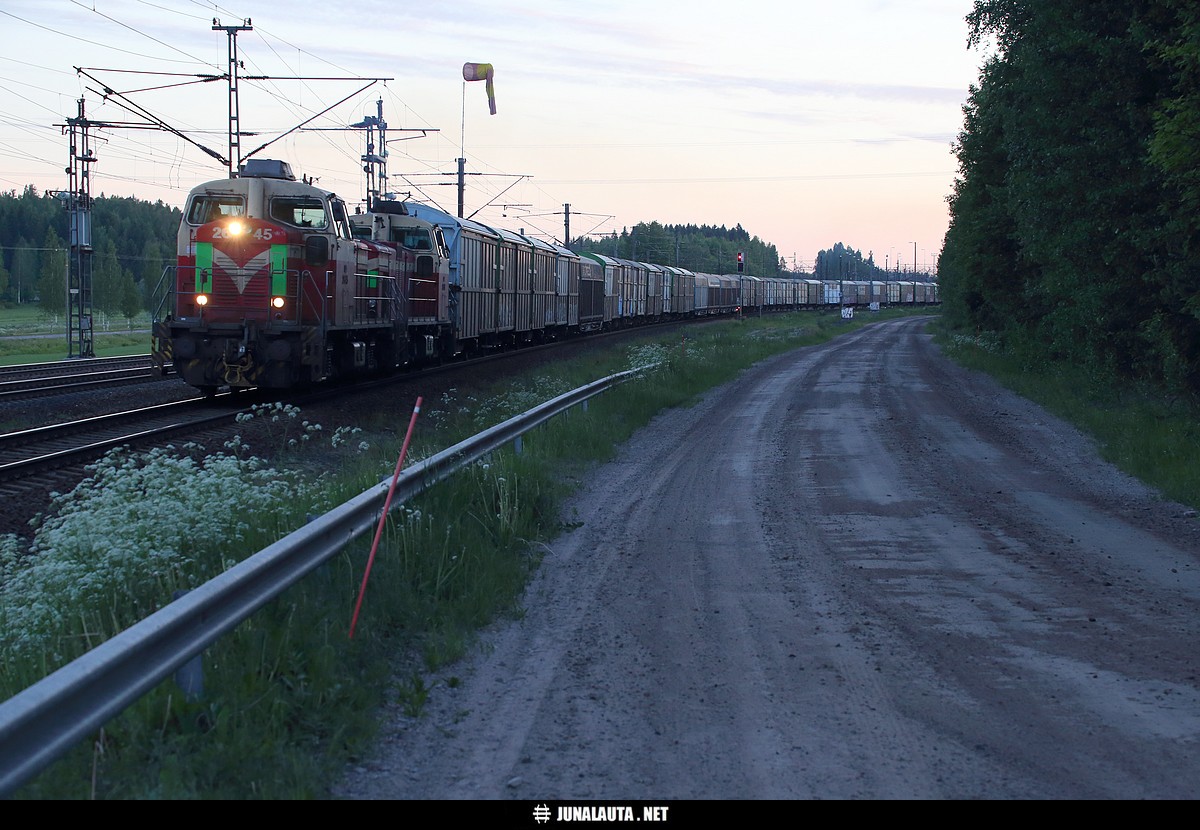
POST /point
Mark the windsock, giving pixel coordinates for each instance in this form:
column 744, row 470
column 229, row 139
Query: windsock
column 482, row 72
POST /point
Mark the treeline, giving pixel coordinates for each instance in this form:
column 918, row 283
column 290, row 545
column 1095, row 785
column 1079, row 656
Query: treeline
column 842, row 262
column 132, row 241
column 1074, row 218
column 703, row 248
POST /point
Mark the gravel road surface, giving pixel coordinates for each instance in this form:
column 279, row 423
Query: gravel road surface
column 858, row 571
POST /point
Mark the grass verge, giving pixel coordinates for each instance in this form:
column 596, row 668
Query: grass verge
column 21, row 350
column 30, row 335
column 1145, row 432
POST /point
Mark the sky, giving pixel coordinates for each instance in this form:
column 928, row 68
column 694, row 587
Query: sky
column 807, row 123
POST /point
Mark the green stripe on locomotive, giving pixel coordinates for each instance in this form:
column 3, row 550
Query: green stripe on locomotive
column 204, row 267
column 279, row 270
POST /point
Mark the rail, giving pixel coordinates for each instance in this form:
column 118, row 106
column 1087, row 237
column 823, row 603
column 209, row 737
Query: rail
column 43, row 722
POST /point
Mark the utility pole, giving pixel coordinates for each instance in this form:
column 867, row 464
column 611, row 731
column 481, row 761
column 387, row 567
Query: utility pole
column 375, row 163
column 462, row 184
column 567, row 225
column 375, row 159
column 235, row 131
column 78, row 200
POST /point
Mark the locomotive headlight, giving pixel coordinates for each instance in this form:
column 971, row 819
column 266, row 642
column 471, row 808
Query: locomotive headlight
column 277, row 302
column 234, row 228
column 201, row 299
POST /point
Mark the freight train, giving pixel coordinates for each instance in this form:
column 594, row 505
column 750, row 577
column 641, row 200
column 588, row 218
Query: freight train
column 278, row 285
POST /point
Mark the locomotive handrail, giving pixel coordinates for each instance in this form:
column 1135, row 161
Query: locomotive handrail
column 43, row 722
column 165, row 300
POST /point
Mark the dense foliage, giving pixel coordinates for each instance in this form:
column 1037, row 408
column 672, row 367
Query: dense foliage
column 132, row 240
column 842, row 262
column 703, row 248
column 712, row 250
column 1073, row 218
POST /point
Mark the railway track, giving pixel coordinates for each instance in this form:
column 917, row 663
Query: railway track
column 36, row 461
column 35, row 379
column 72, row 443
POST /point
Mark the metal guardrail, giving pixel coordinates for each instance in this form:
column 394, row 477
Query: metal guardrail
column 43, row 722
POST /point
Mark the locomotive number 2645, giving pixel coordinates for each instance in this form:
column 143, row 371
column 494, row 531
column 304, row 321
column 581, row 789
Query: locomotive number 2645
column 264, row 234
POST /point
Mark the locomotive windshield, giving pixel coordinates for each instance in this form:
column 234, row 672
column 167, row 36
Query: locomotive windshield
column 415, row 238
column 209, row 208
column 300, row 211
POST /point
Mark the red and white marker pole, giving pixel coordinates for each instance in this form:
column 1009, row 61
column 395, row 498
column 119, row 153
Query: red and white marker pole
column 383, row 516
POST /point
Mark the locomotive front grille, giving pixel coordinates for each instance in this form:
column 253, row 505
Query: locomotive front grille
column 238, row 287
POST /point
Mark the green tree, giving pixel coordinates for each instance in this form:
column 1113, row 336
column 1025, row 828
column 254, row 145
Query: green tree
column 140, row 230
column 705, row 249
column 131, row 297
column 980, row 257
column 107, row 275
column 1069, row 230
column 52, row 275
column 1174, row 150
column 23, row 271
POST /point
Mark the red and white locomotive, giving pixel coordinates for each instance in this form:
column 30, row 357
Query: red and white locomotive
column 272, row 289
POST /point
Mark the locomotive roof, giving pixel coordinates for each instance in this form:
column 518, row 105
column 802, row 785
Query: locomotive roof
column 277, row 186
column 266, row 169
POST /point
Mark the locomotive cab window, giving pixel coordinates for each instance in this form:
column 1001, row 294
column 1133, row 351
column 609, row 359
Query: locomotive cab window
column 415, row 238
column 299, row 211
column 208, row 208
column 341, row 219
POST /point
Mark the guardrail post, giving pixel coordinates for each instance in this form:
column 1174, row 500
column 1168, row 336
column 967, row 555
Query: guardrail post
column 190, row 676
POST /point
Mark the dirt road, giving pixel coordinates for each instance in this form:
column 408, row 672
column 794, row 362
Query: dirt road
column 856, row 572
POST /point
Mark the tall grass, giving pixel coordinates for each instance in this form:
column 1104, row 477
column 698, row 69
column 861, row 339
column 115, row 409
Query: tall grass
column 1146, row 432
column 288, row 697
